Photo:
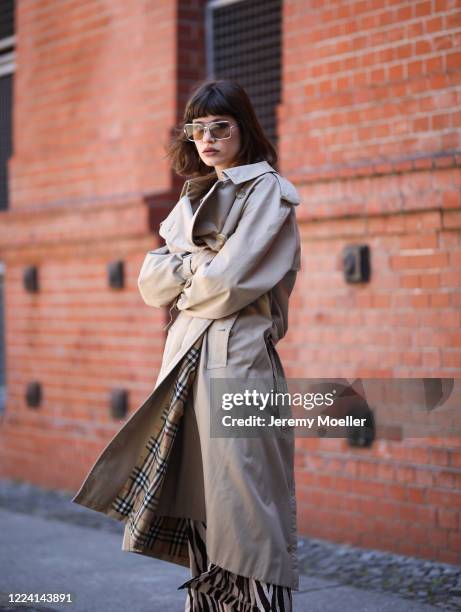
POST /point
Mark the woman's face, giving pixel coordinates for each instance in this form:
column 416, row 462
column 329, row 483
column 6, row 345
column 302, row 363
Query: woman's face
column 220, row 153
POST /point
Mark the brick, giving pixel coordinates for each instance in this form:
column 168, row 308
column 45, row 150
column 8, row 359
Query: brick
column 439, row 456
column 451, row 199
column 452, row 219
column 396, row 492
column 455, row 458
column 444, row 498
column 407, row 262
column 454, row 542
column 451, row 359
column 453, row 60
column 448, row 518
column 415, row 495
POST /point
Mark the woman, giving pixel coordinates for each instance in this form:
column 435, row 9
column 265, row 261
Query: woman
column 222, row 504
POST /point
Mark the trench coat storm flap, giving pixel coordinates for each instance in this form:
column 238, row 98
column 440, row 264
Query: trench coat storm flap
column 230, row 309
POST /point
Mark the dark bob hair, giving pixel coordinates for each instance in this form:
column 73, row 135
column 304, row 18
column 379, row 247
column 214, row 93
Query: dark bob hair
column 219, row 97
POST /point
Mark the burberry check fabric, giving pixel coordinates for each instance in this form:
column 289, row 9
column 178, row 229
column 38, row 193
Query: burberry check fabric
column 137, row 501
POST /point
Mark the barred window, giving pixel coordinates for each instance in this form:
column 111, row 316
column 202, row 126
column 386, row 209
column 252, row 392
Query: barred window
column 244, row 43
column 7, row 42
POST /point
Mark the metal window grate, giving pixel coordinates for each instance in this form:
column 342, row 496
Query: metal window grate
column 244, row 43
column 6, row 18
column 7, row 59
column 6, row 83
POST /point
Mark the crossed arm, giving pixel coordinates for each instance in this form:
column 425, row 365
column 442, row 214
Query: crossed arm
column 164, row 274
column 252, row 261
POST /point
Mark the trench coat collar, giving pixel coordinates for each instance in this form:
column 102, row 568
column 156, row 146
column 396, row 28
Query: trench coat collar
column 240, row 174
column 237, row 174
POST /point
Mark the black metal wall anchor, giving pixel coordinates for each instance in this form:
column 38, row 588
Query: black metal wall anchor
column 356, row 263
column 361, row 435
column 34, row 394
column 119, row 403
column 115, row 273
column 30, row 279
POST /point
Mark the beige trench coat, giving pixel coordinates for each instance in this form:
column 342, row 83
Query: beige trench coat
column 237, row 301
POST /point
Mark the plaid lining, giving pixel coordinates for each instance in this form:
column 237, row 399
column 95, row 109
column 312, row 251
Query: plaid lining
column 138, row 499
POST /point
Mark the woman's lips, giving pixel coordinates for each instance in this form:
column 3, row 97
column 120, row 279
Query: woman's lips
column 210, row 152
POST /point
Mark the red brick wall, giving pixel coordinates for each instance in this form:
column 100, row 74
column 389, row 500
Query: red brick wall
column 370, row 133
column 369, row 83
column 95, row 96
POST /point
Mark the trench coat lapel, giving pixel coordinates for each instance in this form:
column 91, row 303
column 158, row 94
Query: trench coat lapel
column 184, row 225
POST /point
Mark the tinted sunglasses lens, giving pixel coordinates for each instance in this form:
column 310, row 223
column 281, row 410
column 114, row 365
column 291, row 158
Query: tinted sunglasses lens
column 193, row 132
column 221, row 130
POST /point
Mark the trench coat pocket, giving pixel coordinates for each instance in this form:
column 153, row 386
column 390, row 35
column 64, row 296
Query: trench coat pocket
column 271, row 360
column 278, row 374
column 218, row 341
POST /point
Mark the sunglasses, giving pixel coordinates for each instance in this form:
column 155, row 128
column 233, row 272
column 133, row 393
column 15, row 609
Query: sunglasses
column 219, row 130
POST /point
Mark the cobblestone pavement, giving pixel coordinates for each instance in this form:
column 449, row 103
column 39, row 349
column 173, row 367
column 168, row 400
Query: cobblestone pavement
column 429, row 582
column 421, row 580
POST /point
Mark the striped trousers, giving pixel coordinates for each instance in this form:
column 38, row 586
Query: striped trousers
column 214, row 589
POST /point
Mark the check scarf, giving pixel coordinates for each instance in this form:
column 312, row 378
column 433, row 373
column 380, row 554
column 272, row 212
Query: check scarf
column 137, row 501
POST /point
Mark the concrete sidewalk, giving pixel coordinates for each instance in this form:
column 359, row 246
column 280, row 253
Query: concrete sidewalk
column 49, row 555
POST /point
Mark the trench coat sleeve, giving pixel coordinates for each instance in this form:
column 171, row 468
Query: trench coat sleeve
column 163, row 275
column 259, row 253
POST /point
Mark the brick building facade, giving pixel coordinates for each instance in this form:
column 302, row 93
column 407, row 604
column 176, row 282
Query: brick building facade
column 368, row 129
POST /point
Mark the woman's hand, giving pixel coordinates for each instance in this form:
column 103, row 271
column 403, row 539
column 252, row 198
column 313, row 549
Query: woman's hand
column 200, row 257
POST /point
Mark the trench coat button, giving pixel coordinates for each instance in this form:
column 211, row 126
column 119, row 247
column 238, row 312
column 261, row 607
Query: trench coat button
column 220, row 239
column 240, row 193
